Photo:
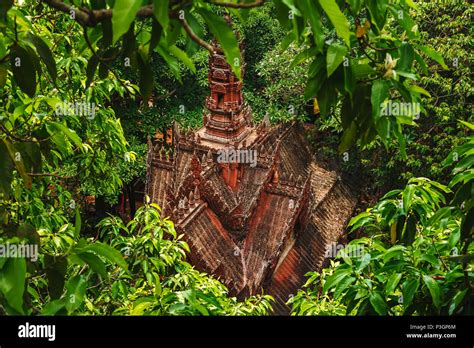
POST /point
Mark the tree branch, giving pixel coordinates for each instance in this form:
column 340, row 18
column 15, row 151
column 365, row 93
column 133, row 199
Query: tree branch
column 13, row 136
column 256, row 3
column 50, row 174
column 90, row 18
column 194, row 37
column 86, row 37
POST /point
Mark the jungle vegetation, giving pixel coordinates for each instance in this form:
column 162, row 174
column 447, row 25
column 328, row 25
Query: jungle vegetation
column 83, row 83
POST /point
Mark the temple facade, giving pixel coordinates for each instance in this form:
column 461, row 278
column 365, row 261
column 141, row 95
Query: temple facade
column 257, row 224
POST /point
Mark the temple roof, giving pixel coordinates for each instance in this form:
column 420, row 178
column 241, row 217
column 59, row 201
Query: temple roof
column 256, row 226
column 269, row 230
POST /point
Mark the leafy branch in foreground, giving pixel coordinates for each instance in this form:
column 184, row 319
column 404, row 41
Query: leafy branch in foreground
column 417, row 258
column 138, row 269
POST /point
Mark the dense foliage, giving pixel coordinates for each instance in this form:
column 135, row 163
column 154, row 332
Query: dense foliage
column 416, row 257
column 84, row 82
column 446, row 28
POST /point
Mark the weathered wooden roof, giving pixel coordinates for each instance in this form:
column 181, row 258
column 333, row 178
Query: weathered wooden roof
column 268, row 231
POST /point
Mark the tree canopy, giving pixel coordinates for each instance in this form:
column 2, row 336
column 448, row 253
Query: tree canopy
column 84, row 82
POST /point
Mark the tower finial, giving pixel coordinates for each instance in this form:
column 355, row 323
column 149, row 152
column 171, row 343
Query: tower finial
column 225, row 118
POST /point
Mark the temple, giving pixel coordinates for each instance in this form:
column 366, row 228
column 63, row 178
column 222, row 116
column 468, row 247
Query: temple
column 256, row 226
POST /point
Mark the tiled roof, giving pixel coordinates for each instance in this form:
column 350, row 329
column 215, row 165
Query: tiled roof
column 286, row 223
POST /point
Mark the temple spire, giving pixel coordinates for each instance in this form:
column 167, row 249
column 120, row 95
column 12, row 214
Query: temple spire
column 225, row 118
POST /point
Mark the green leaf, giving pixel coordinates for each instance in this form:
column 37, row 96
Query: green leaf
column 419, row 90
column 108, row 252
column 349, row 79
column 404, row 92
column 337, row 18
column 76, row 292
column 56, row 268
column 146, row 75
column 348, row 137
column 58, row 138
column 35, row 59
column 361, row 71
column 430, row 52
column 422, row 63
column 53, row 307
column 392, row 283
column 31, row 154
column 343, row 285
column 160, row 11
column 174, row 32
column 334, row 58
column 182, row 56
column 457, row 299
column 335, row 278
column 94, row 262
column 310, row 10
column 433, row 288
column 156, row 31
column 292, row 7
column 403, row 18
column 326, row 97
column 378, row 303
column 316, row 66
column 170, row 60
column 24, row 70
column 158, row 287
column 78, row 224
column 406, row 74
column 467, row 223
column 355, row 5
column 409, row 290
column 364, row 262
column 3, row 75
column 407, row 55
column 6, row 170
column 91, row 68
column 317, row 77
column 378, row 11
column 407, row 195
column 380, row 89
column 12, row 282
column 224, row 34
column 45, row 54
column 70, row 134
column 123, row 14
column 302, row 56
column 359, row 220
column 412, row 4
column 467, row 124
column 140, row 308
column 18, row 161
column 176, row 308
column 5, row 5
column 191, row 46
column 409, row 232
column 282, row 14
column 431, row 259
